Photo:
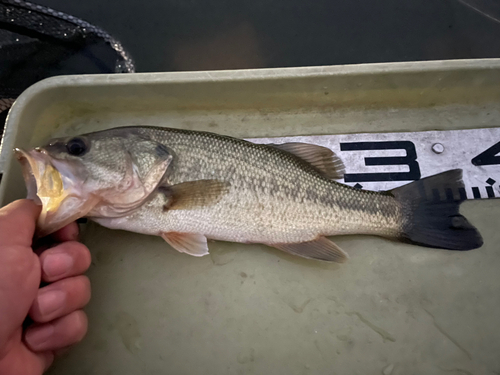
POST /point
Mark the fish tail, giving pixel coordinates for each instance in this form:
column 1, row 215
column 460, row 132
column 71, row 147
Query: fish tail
column 431, row 217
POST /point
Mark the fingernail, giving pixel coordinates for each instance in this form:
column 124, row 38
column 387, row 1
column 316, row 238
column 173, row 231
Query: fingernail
column 37, row 336
column 55, row 265
column 50, row 301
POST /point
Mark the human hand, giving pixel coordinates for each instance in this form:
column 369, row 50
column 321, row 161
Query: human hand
column 54, row 308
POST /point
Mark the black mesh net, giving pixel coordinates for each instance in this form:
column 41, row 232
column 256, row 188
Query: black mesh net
column 37, row 42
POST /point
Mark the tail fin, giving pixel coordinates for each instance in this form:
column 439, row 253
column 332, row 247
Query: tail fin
column 431, row 213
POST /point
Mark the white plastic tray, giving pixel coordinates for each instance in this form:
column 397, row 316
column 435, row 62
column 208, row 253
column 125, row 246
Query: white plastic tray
column 248, row 309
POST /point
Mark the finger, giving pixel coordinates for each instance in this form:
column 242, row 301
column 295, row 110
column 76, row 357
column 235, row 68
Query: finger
column 68, row 233
column 57, row 334
column 60, row 298
column 64, row 260
column 17, row 223
column 19, row 283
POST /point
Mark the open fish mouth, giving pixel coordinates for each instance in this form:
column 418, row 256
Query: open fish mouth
column 43, row 181
column 30, row 168
column 46, row 186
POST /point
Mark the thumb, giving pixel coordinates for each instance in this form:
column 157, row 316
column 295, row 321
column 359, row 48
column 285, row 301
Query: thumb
column 18, row 222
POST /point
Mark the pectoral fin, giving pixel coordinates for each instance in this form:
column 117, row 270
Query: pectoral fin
column 193, row 194
column 189, row 243
column 319, row 249
column 321, row 158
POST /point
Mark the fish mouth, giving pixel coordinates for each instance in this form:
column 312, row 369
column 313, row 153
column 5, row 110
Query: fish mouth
column 61, row 202
column 28, row 164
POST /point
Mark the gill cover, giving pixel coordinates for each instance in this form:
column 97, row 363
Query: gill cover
column 68, row 187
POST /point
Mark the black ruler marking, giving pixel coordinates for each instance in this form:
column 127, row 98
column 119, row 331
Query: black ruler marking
column 488, row 157
column 410, row 160
column 476, row 192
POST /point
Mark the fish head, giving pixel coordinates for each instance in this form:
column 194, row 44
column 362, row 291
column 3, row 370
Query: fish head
column 102, row 174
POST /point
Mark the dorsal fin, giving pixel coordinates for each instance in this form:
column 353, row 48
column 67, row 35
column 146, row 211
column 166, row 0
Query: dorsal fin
column 321, row 158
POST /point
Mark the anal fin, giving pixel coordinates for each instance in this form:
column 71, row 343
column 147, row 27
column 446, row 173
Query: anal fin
column 190, row 243
column 319, row 249
column 321, row 158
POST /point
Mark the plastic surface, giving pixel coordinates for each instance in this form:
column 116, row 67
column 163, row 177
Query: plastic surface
column 247, row 309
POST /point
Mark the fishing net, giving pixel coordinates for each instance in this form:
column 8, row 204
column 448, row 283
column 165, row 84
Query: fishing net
column 37, row 42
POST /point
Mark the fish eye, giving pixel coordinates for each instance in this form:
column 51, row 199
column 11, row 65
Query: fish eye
column 76, row 147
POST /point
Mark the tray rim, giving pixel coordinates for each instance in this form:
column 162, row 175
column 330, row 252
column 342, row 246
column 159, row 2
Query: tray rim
column 130, row 79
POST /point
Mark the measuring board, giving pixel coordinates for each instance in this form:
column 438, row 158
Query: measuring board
column 384, row 161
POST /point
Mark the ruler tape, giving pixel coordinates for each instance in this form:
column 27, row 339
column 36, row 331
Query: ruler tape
column 384, row 161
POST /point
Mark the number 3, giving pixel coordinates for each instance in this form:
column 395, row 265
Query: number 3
column 410, row 160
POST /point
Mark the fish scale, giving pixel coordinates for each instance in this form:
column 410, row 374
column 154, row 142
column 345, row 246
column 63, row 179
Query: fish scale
column 274, row 197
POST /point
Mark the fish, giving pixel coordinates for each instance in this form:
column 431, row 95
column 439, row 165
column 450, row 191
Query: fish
column 189, row 186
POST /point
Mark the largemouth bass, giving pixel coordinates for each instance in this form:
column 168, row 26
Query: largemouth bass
column 187, row 186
